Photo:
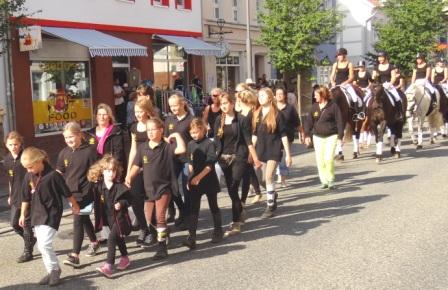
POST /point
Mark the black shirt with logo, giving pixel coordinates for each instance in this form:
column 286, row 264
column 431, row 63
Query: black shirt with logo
column 202, row 153
column 182, row 126
column 44, row 192
column 15, row 172
column 158, row 169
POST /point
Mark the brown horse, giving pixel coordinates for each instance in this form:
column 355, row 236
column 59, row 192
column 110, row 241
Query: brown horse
column 349, row 118
column 443, row 109
column 381, row 113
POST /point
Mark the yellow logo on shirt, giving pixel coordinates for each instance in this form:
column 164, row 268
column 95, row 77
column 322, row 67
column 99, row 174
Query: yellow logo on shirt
column 145, row 159
column 92, row 141
column 191, row 156
column 11, row 172
column 316, row 114
column 102, row 198
column 170, row 126
column 66, row 162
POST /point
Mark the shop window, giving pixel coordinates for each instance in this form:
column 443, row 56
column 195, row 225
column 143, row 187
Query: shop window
column 161, row 2
column 60, row 94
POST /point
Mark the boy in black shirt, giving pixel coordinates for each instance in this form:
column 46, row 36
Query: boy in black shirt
column 42, row 193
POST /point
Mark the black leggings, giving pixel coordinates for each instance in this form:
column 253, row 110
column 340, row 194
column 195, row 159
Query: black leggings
column 82, row 223
column 26, row 232
column 249, row 177
column 212, row 199
column 114, row 240
column 233, row 175
column 138, row 207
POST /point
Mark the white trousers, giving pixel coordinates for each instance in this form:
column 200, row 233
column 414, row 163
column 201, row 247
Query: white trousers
column 427, row 84
column 45, row 236
column 352, row 94
column 391, row 89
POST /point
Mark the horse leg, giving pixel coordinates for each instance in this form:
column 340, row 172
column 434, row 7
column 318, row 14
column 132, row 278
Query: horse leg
column 392, row 143
column 420, row 134
column 339, row 151
column 355, row 138
column 381, row 127
column 411, row 129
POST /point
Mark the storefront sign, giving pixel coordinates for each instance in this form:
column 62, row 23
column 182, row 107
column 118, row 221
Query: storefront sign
column 30, row 38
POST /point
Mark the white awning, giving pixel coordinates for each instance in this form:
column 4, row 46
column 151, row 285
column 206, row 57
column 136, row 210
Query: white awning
column 192, row 45
column 98, row 43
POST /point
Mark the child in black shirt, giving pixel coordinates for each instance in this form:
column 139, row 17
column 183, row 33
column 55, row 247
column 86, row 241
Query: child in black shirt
column 42, row 192
column 16, row 172
column 160, row 182
column 202, row 180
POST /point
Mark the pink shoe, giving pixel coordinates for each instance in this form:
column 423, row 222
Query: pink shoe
column 124, row 263
column 106, row 270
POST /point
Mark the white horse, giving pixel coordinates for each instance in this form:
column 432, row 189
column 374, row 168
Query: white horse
column 419, row 105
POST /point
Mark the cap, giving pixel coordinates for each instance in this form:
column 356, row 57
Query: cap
column 383, row 54
column 361, row 63
column 420, row 55
column 341, row 51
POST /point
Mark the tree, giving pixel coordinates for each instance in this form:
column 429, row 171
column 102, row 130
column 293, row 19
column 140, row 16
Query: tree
column 291, row 29
column 411, row 26
column 9, row 8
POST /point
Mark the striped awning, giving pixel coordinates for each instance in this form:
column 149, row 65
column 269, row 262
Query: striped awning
column 192, row 45
column 98, row 43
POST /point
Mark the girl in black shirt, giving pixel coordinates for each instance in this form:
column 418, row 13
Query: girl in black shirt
column 42, row 192
column 111, row 208
column 202, row 180
column 15, row 172
column 212, row 111
column 269, row 134
column 73, row 163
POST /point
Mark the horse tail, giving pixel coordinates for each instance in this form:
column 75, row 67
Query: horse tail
column 435, row 120
column 348, row 132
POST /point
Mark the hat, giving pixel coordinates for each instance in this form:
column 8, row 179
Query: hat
column 341, row 51
column 361, row 63
column 420, row 55
column 383, row 54
column 249, row 81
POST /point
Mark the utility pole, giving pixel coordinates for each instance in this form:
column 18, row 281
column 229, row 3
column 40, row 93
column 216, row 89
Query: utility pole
column 248, row 42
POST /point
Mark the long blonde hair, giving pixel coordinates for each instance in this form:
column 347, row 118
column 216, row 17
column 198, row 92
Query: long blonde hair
column 95, row 172
column 32, row 155
column 248, row 98
column 231, row 100
column 147, row 107
column 271, row 118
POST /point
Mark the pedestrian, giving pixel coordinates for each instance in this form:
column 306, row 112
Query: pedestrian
column 232, row 140
column 130, row 115
column 145, row 91
column 143, row 112
column 212, row 111
column 111, row 208
column 248, row 102
column 202, row 180
column 16, row 172
column 73, row 163
column 292, row 124
column 179, row 122
column 269, row 134
column 42, row 192
column 155, row 157
column 325, row 125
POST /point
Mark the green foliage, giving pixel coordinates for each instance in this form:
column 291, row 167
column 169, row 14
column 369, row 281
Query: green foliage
column 291, row 29
column 412, row 26
column 9, row 8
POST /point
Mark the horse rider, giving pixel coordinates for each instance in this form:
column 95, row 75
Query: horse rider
column 399, row 83
column 384, row 74
column 363, row 79
column 342, row 75
column 439, row 75
column 421, row 75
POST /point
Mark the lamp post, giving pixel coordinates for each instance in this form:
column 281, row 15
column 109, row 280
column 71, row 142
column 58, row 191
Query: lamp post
column 248, row 42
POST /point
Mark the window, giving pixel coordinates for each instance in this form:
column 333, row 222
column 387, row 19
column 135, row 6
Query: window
column 183, row 4
column 235, row 10
column 61, row 93
column 160, row 2
column 216, row 9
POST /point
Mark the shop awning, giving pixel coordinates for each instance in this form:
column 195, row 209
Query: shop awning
column 192, row 45
column 98, row 43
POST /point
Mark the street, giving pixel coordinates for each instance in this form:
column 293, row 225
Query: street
column 385, row 226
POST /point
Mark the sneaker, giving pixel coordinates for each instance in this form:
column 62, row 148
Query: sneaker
column 171, row 215
column 331, row 185
column 72, row 261
column 150, row 240
column 162, row 252
column 190, row 243
column 283, row 184
column 92, row 249
column 182, row 226
column 44, row 280
column 251, row 191
column 268, row 212
column 234, row 229
column 123, row 263
column 25, row 257
column 256, row 198
column 243, row 216
column 217, row 236
column 323, row 186
column 106, row 270
column 54, row 277
column 274, row 207
column 141, row 237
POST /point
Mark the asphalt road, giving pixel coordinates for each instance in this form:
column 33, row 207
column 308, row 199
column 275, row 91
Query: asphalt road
column 384, row 227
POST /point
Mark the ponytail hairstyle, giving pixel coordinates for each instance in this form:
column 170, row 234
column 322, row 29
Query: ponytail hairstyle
column 32, row 155
column 230, row 99
column 248, row 98
column 95, row 172
column 271, row 118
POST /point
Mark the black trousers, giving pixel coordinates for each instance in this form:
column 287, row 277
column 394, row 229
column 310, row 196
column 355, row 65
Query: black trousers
column 138, row 206
column 26, row 232
column 183, row 205
column 212, row 198
column 233, row 175
column 249, row 177
column 81, row 224
column 113, row 241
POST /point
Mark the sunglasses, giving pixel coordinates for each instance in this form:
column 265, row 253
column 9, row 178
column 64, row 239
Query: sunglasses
column 215, row 96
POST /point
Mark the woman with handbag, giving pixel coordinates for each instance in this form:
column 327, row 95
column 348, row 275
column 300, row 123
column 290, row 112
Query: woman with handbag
column 73, row 163
column 233, row 145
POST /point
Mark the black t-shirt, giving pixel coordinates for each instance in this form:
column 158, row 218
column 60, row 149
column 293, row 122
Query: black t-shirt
column 269, row 145
column 211, row 119
column 74, row 165
column 46, row 198
column 438, row 76
column 342, row 74
column 420, row 72
column 182, row 126
column 158, row 169
column 202, row 153
column 291, row 118
column 140, row 136
column 385, row 75
column 15, row 172
column 363, row 82
column 229, row 138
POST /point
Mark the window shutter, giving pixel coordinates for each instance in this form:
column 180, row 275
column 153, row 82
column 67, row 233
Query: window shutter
column 166, row 2
column 187, row 4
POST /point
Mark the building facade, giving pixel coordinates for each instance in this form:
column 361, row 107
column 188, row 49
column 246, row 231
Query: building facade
column 227, row 71
column 82, row 47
